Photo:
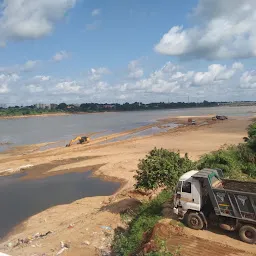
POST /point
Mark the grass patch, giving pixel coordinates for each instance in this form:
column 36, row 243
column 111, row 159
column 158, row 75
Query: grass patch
column 146, row 217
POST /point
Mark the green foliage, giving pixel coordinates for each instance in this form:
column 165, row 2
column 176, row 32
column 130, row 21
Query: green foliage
column 62, row 106
column 144, row 220
column 161, row 168
column 22, row 111
column 236, row 161
column 252, row 130
column 252, row 136
column 225, row 159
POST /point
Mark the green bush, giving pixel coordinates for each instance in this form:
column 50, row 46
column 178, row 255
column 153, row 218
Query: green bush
column 225, row 159
column 161, row 168
column 252, row 130
column 235, row 161
column 147, row 216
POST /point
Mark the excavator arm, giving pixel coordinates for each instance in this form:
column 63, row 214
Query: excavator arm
column 80, row 139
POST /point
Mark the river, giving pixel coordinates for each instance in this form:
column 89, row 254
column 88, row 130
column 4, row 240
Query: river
column 33, row 130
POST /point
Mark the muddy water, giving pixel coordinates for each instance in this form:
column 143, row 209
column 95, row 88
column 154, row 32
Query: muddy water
column 20, row 199
column 35, row 130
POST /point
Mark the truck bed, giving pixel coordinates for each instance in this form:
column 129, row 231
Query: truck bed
column 235, row 199
column 249, row 187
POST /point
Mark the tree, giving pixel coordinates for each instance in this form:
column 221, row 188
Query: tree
column 62, row 106
column 161, row 168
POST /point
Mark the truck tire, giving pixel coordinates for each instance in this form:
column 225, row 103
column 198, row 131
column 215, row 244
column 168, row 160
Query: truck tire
column 195, row 221
column 247, row 234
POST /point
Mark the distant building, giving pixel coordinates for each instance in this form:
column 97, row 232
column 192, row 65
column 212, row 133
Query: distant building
column 53, row 106
column 42, row 106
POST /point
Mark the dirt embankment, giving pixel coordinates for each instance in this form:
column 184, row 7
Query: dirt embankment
column 187, row 242
column 89, row 216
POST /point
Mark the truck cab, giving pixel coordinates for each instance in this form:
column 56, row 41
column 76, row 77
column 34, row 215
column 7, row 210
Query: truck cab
column 187, row 194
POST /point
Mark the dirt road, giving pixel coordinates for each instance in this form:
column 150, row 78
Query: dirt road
column 115, row 160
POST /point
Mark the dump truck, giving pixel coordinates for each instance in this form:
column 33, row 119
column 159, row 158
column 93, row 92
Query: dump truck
column 219, row 117
column 204, row 198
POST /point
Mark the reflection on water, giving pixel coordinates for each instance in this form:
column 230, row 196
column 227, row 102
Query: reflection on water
column 21, row 199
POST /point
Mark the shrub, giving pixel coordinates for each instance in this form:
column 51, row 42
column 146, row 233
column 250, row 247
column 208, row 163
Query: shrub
column 235, row 161
column 252, row 130
column 225, row 159
column 161, row 168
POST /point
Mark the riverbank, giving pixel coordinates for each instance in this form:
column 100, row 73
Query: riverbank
column 117, row 160
column 37, row 115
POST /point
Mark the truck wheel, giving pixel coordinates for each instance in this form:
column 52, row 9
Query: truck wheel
column 195, row 221
column 247, row 234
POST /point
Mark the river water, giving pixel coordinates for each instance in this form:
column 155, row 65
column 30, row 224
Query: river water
column 20, row 199
column 33, row 130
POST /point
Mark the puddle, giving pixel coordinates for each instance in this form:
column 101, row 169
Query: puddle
column 146, row 132
column 20, row 199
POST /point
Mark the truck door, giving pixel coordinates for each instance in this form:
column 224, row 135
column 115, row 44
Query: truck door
column 190, row 196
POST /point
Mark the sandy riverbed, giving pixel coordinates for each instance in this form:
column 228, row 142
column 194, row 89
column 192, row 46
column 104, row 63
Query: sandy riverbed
column 117, row 161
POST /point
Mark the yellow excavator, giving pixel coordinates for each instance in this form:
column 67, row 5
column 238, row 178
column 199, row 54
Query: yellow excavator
column 81, row 140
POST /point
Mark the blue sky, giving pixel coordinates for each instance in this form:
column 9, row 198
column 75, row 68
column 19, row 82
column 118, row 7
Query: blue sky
column 117, row 51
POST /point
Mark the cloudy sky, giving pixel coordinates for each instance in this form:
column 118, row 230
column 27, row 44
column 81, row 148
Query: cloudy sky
column 117, row 51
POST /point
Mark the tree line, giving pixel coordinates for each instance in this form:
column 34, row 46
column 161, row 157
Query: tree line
column 98, row 107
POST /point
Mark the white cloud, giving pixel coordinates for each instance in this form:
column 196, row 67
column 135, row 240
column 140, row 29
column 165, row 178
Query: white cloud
column 93, row 26
column 96, row 12
column 165, row 80
column 227, row 31
column 68, row 87
column 238, row 66
column 59, row 56
column 30, row 19
column 135, row 70
column 26, row 67
column 171, row 81
column 95, row 74
column 6, row 80
column 216, row 74
column 248, row 79
column 9, row 78
column 42, row 78
column 4, row 88
column 33, row 88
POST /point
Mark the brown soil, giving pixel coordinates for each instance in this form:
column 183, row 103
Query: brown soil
column 116, row 160
column 187, row 242
column 249, row 187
